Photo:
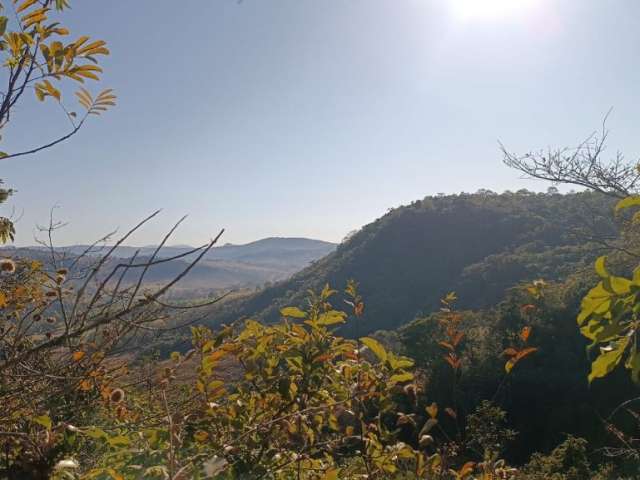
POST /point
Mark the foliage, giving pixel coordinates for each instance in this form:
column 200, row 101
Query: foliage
column 545, row 397
column 412, row 256
column 609, row 317
column 302, row 400
column 568, row 461
column 37, row 58
column 64, row 330
column 486, row 430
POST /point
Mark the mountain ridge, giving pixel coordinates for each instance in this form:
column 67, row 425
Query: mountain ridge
column 238, row 266
column 478, row 244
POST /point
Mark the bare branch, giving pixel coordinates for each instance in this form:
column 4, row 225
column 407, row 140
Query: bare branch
column 582, row 166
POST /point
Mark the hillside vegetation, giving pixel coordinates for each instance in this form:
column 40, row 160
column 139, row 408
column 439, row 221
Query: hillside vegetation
column 464, row 337
column 478, row 245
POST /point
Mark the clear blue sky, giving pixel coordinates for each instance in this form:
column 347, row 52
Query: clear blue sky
column 313, row 117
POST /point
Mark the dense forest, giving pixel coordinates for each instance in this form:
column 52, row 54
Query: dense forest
column 478, row 245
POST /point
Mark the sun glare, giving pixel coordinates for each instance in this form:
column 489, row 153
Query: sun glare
column 467, row 10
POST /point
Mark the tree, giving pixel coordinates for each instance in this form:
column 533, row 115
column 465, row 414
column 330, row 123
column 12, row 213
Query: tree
column 584, row 166
column 66, row 327
column 38, row 59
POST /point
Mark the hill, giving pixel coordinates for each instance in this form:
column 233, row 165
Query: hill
column 478, row 245
column 228, row 266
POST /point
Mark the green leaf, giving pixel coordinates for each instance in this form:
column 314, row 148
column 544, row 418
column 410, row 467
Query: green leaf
column 633, row 364
column 292, row 312
column 399, row 362
column 3, row 25
column 215, row 385
column 119, row 441
column 331, row 318
column 375, row 347
column 95, row 432
column 43, row 420
column 628, row 202
column 284, row 387
column 598, row 301
column 607, row 361
column 401, row 377
column 331, row 474
column 600, row 330
column 617, row 285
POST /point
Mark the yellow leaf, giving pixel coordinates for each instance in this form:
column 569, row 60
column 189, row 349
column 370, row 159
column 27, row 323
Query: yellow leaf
column 24, row 5
column 43, row 420
column 600, row 268
column 432, row 410
column 85, row 98
column 466, row 470
column 628, row 202
column 91, row 46
column 375, row 347
column 85, row 385
column 292, row 312
column 33, row 18
column 331, row 474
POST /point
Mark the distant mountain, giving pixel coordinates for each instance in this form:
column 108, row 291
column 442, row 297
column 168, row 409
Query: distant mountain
column 478, row 245
column 250, row 265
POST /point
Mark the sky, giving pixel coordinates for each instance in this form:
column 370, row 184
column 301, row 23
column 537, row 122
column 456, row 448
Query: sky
column 311, row 118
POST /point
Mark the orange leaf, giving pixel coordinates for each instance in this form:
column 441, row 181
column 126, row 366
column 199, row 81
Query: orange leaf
column 322, row 358
column 447, row 345
column 453, row 360
column 85, row 385
column 527, row 307
column 350, row 355
column 511, row 352
column 217, row 355
column 524, row 334
column 458, row 337
column 466, row 470
column 525, row 352
column 77, row 356
column 432, row 410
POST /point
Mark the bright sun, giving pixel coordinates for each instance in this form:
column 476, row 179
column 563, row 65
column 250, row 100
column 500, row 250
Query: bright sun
column 490, row 9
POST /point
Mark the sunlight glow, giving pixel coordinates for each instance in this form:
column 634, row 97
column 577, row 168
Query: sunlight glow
column 471, row 10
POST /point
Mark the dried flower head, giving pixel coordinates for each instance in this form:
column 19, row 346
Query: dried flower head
column 7, row 265
column 66, row 464
column 117, row 395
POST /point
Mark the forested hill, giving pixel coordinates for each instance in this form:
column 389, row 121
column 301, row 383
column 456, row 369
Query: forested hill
column 478, row 245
